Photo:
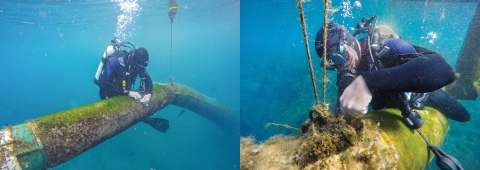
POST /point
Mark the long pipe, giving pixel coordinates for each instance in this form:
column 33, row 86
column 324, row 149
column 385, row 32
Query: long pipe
column 53, row 139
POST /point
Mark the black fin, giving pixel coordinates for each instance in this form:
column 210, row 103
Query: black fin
column 448, row 105
column 159, row 124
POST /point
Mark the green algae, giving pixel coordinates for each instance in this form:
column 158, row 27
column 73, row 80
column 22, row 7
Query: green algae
column 411, row 146
column 91, row 111
column 68, row 133
column 104, row 108
column 160, row 89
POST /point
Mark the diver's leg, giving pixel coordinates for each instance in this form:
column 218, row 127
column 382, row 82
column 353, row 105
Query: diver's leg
column 103, row 94
column 448, row 105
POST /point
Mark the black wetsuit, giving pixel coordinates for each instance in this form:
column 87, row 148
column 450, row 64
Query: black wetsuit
column 427, row 72
column 118, row 71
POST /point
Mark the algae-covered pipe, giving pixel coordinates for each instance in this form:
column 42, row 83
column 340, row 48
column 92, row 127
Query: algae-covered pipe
column 53, row 139
column 411, row 147
column 385, row 143
column 206, row 107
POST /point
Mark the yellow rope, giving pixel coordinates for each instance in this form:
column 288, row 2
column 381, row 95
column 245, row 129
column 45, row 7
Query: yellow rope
column 171, row 49
column 324, row 58
column 305, row 37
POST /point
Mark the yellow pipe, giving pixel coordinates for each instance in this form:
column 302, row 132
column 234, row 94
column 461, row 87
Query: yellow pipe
column 411, row 147
column 381, row 141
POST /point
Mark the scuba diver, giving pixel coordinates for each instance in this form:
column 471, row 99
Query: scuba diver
column 384, row 71
column 118, row 71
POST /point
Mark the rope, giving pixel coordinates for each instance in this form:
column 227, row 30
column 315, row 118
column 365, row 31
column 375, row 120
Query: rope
column 171, row 46
column 305, row 37
column 324, row 57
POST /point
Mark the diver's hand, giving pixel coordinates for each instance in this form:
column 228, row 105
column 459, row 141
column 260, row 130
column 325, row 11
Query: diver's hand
column 146, row 99
column 135, row 95
column 356, row 97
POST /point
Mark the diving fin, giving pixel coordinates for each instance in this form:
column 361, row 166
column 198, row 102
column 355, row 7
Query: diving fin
column 448, row 105
column 159, row 124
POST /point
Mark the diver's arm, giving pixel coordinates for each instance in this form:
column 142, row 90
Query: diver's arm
column 426, row 73
column 148, row 81
column 123, row 92
column 148, row 86
column 355, row 99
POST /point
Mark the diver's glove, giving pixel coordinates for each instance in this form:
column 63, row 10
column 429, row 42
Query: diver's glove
column 356, row 97
column 146, row 99
column 135, row 95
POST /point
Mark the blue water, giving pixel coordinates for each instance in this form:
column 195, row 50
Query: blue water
column 51, row 50
column 276, row 83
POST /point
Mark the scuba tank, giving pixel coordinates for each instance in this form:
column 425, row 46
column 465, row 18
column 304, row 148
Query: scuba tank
column 108, row 51
column 112, row 48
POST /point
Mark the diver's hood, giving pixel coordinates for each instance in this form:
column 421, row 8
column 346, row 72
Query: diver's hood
column 337, row 37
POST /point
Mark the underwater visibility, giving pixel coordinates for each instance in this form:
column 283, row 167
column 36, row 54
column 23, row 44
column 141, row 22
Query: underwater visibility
column 150, row 104
column 278, row 84
column 388, row 85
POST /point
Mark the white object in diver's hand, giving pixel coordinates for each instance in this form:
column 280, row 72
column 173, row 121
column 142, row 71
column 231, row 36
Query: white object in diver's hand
column 146, row 99
column 135, row 95
column 356, row 97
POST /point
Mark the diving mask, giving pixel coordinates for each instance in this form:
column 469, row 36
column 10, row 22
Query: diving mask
column 335, row 61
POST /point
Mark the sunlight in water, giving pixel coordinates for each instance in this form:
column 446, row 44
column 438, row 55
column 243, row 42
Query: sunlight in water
column 430, row 38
